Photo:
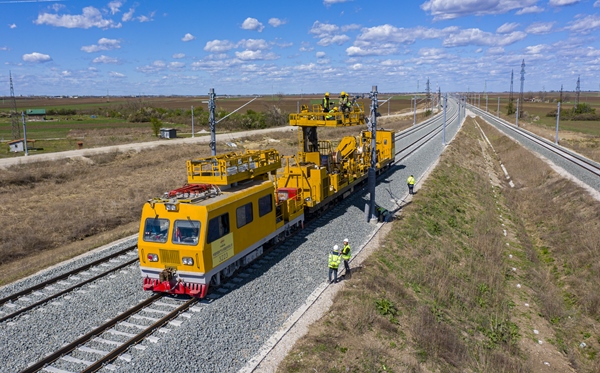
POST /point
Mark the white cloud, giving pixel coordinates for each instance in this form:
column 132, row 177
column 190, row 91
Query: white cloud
column 495, row 50
column 249, row 55
column 476, row 36
column 537, row 49
column 252, row 24
column 276, row 22
column 323, row 29
column 321, row 54
column 146, row 18
column 540, row 28
column 374, row 49
column 13, row 25
column 562, row 2
column 507, row 27
column 176, row 65
column 336, row 39
column 449, row 9
column 3, row 48
column 114, row 74
column 584, row 25
column 178, row 55
column 530, row 10
column 253, row 44
column 155, row 67
column 91, row 17
column 105, row 59
column 218, row 46
column 104, row 44
column 350, row 27
column 329, row 2
column 115, row 6
column 188, row 37
column 129, row 15
column 597, row 4
column 36, row 57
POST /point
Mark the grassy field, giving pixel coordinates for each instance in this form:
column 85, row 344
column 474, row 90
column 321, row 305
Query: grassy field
column 94, row 123
column 448, row 291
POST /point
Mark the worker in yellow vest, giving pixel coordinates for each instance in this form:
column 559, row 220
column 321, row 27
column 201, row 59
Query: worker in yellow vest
column 334, row 263
column 346, row 255
column 411, row 184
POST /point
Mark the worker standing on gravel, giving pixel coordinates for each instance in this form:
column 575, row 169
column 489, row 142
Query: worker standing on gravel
column 346, row 255
column 334, row 263
column 411, row 184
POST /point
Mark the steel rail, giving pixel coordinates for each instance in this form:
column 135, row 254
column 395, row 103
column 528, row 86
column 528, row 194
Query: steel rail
column 56, row 295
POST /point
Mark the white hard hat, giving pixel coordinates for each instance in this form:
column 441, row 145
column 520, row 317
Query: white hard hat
column 346, row 240
column 336, row 248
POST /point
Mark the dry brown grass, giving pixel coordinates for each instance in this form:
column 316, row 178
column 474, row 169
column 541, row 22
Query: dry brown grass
column 561, row 231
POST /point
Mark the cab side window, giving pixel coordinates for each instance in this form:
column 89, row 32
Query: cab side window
column 265, row 205
column 243, row 215
column 218, row 227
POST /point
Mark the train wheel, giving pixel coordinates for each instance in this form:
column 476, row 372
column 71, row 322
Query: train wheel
column 229, row 270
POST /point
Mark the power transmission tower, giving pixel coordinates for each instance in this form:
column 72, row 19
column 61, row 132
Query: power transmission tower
column 510, row 95
column 522, row 83
column 14, row 116
column 577, row 92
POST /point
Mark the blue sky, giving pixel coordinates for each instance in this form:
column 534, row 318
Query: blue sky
column 125, row 47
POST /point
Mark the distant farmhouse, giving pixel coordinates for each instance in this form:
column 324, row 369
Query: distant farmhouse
column 35, row 114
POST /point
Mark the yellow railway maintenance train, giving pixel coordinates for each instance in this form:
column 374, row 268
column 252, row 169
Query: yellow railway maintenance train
column 236, row 203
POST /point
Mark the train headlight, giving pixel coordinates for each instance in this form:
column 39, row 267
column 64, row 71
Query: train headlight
column 171, row 206
column 187, row 261
column 153, row 257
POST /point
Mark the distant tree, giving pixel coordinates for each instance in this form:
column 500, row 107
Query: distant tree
column 156, row 125
column 510, row 108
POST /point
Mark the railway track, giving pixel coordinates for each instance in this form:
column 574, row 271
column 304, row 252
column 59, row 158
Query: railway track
column 80, row 353
column 46, row 291
column 85, row 354
column 573, row 158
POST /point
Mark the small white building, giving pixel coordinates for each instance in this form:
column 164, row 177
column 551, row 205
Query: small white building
column 17, row 146
column 168, row 133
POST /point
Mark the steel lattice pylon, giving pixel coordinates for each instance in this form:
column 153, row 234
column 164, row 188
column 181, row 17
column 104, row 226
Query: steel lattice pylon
column 14, row 116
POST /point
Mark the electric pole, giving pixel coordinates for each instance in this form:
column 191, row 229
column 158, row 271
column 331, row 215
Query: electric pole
column 14, row 120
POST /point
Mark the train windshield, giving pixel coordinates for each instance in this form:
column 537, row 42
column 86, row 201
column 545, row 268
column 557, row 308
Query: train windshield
column 156, row 230
column 186, row 232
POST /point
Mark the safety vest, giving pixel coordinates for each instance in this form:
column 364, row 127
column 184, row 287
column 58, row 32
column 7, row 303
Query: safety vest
column 334, row 260
column 346, row 252
column 326, row 104
column 344, row 102
column 411, row 180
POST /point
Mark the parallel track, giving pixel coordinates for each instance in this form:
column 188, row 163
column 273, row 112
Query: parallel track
column 64, row 276
column 575, row 159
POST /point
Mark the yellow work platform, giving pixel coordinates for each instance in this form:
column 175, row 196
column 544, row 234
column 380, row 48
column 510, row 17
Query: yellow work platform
column 229, row 168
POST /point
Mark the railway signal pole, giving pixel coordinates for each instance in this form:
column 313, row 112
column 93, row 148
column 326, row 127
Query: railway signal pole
column 371, row 180
column 557, row 121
